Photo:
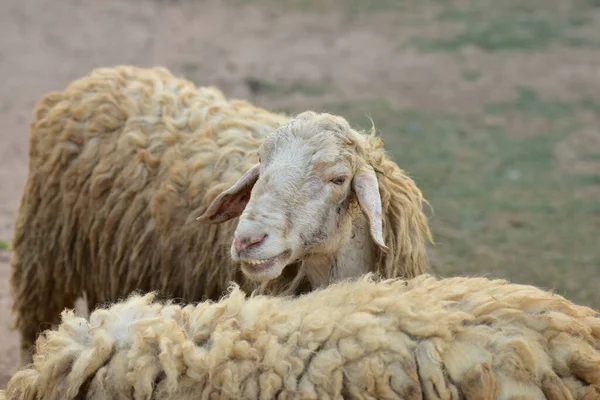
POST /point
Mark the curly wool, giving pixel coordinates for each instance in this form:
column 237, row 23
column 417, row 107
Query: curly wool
column 428, row 338
column 122, row 162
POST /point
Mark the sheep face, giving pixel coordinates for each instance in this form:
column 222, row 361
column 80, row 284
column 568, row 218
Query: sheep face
column 298, row 200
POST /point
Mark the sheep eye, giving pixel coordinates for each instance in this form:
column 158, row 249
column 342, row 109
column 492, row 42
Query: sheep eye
column 339, row 180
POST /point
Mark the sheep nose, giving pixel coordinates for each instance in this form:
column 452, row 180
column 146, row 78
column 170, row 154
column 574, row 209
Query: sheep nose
column 246, row 241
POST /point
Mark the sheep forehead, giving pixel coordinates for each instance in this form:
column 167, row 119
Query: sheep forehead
column 302, row 145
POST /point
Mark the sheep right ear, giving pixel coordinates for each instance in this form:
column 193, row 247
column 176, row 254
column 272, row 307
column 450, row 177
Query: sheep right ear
column 231, row 203
column 366, row 187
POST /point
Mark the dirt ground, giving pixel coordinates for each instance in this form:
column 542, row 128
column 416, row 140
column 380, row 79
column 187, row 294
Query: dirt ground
column 288, row 57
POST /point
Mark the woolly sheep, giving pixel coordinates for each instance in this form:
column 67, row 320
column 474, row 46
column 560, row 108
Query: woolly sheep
column 124, row 161
column 424, row 338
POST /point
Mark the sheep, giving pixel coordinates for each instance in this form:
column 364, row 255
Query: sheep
column 124, row 161
column 424, row 338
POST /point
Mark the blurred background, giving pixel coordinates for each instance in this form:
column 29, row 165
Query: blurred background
column 492, row 106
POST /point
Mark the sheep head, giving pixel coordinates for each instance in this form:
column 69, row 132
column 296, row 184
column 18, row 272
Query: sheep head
column 298, row 200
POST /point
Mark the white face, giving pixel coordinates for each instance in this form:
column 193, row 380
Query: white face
column 296, row 201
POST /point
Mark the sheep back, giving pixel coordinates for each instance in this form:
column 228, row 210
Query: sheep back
column 428, row 338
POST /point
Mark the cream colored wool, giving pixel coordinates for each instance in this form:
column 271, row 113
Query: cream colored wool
column 122, row 162
column 426, row 338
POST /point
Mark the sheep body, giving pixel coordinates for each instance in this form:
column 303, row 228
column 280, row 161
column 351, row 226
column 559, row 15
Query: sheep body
column 424, row 338
column 122, row 162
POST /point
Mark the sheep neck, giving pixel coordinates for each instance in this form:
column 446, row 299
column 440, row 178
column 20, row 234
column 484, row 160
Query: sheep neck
column 354, row 256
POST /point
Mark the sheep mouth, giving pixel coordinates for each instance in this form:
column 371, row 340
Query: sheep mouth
column 260, row 265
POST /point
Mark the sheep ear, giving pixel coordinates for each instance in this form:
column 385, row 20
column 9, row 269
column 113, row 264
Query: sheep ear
column 366, row 187
column 231, row 203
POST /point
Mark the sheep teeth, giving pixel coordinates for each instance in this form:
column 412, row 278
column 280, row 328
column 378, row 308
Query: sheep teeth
column 255, row 262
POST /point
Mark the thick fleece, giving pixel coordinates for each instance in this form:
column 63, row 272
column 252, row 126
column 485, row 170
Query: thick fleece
column 122, row 163
column 457, row 338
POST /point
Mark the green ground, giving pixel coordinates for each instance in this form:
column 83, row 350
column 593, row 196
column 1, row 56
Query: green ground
column 513, row 179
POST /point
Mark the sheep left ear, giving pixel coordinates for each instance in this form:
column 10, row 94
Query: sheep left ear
column 366, row 187
column 231, row 203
